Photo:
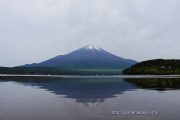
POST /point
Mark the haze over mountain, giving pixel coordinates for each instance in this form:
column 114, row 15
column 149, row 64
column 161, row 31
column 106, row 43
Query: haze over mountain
column 88, row 57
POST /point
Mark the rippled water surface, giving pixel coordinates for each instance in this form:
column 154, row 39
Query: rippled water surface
column 89, row 98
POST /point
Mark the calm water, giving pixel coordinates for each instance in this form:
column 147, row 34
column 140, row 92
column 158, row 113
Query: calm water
column 89, row 99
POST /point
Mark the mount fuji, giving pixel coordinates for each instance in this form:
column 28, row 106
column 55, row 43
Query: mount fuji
column 88, row 57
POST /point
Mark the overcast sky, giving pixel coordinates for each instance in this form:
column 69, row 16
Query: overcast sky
column 36, row 30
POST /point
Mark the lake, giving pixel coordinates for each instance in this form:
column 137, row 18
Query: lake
column 115, row 98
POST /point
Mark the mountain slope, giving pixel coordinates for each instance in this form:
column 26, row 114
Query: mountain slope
column 88, row 57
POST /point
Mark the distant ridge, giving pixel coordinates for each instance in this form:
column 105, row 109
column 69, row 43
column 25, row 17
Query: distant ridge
column 87, row 57
column 155, row 67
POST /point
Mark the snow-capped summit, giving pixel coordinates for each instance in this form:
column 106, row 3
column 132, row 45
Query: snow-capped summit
column 92, row 47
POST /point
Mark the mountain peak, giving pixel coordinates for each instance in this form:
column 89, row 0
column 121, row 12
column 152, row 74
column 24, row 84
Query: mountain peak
column 92, row 47
column 88, row 57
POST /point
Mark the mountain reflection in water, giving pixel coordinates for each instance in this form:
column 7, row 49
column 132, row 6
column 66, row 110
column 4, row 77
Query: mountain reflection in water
column 43, row 98
column 89, row 91
column 93, row 91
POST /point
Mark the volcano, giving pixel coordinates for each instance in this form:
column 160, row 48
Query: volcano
column 88, row 57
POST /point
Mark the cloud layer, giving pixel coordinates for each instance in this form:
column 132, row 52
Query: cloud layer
column 35, row 30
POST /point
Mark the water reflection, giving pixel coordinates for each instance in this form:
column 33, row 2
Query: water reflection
column 93, row 91
column 156, row 83
column 71, row 99
column 90, row 92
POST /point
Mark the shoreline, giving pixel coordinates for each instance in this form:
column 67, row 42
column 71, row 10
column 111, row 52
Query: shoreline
column 90, row 76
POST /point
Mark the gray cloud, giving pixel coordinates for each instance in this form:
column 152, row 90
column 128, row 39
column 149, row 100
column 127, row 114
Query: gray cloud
column 35, row 30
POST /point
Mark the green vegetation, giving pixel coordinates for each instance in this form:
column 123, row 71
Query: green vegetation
column 154, row 67
column 102, row 70
column 57, row 71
